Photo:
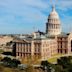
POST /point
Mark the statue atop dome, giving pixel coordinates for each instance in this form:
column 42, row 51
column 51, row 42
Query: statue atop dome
column 53, row 7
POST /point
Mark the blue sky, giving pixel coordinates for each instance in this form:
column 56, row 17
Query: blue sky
column 26, row 16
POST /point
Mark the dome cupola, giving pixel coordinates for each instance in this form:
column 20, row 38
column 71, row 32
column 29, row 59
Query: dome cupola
column 53, row 14
column 53, row 24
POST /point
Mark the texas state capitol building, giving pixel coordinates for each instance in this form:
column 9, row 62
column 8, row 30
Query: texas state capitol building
column 45, row 45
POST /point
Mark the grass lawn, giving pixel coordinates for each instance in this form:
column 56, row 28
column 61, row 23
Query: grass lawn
column 1, row 51
column 7, row 69
column 54, row 58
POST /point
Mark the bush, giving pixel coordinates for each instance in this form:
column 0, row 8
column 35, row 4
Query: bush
column 10, row 62
column 46, row 66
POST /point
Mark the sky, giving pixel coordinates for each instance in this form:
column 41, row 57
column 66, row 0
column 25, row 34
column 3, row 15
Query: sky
column 27, row 16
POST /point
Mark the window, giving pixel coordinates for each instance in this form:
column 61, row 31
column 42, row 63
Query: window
column 65, row 51
column 71, row 46
column 61, row 50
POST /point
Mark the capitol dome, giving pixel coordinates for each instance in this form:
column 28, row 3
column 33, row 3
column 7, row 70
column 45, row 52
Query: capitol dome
column 53, row 24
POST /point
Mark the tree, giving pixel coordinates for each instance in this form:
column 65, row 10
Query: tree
column 64, row 62
column 46, row 66
column 10, row 62
column 14, row 63
column 6, row 59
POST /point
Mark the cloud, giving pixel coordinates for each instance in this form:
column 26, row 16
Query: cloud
column 25, row 14
column 64, row 4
